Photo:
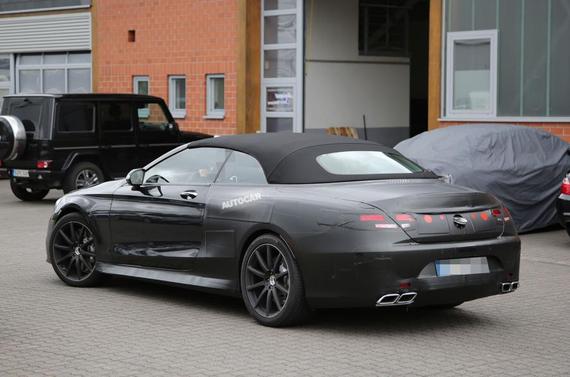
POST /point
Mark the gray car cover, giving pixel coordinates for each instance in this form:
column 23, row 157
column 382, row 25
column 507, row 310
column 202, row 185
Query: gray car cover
column 522, row 166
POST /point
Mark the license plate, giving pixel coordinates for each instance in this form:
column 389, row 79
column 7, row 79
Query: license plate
column 20, row 173
column 463, row 266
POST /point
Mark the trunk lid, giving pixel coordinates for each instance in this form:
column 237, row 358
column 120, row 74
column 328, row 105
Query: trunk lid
column 430, row 210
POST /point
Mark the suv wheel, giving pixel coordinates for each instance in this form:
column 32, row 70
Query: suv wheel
column 82, row 175
column 27, row 194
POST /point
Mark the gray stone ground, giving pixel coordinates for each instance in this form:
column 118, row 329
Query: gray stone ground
column 131, row 328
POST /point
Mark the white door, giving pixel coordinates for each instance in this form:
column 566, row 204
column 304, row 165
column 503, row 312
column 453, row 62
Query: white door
column 282, row 65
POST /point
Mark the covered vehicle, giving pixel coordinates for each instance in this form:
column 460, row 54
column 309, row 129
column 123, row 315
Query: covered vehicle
column 521, row 166
column 290, row 222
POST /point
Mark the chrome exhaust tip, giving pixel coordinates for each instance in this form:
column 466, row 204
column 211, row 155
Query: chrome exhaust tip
column 509, row 287
column 506, row 287
column 389, row 299
column 407, row 298
column 394, row 299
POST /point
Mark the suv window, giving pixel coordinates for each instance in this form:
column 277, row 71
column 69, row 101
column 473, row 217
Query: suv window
column 152, row 118
column 75, row 117
column 241, row 168
column 115, row 116
column 190, row 166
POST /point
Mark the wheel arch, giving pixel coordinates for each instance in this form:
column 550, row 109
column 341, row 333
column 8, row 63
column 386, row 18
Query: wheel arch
column 77, row 157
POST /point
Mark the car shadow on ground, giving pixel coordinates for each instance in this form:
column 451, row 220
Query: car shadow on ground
column 349, row 321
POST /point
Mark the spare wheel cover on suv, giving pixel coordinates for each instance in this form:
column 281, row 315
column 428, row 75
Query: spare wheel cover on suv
column 12, row 138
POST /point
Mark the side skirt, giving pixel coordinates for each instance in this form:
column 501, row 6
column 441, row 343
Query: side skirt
column 167, row 276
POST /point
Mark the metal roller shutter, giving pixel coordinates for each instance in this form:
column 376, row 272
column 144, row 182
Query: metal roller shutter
column 64, row 32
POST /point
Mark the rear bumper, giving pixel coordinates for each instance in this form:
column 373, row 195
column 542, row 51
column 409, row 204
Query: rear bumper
column 563, row 209
column 39, row 179
column 361, row 279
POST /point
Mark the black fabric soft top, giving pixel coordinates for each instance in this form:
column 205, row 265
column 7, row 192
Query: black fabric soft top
column 289, row 158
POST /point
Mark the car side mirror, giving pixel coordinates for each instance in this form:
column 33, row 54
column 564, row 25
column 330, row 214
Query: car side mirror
column 136, row 177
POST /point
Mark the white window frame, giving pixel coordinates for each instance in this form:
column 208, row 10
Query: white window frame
column 176, row 112
column 453, row 37
column 293, row 82
column 66, row 67
column 211, row 111
column 139, row 79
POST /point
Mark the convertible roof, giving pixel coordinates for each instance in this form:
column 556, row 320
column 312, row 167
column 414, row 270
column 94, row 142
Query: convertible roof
column 291, row 157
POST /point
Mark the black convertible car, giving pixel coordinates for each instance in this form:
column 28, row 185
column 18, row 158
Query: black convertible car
column 290, row 222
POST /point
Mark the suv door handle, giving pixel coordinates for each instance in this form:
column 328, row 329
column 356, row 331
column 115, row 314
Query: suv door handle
column 191, row 194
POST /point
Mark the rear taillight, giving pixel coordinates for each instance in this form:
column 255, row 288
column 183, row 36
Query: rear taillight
column 565, row 188
column 43, row 164
column 377, row 221
column 501, row 213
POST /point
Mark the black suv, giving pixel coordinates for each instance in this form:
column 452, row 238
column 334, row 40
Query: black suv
column 72, row 141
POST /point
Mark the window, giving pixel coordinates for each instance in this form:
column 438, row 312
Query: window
column 177, row 96
column 141, row 85
column 75, row 117
column 152, row 118
column 383, row 28
column 65, row 72
column 471, row 73
column 241, row 168
column 115, row 117
column 533, row 58
column 215, row 96
column 5, row 76
column 366, row 162
column 190, row 166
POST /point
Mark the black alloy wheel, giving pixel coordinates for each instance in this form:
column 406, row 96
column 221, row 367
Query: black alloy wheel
column 271, row 283
column 72, row 248
column 267, row 279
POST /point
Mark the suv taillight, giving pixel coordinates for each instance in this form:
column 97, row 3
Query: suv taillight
column 43, row 164
column 565, row 188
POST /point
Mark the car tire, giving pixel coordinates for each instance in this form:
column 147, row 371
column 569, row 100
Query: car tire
column 72, row 251
column 82, row 175
column 27, row 194
column 271, row 283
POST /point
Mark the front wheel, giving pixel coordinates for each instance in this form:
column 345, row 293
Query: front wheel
column 72, row 251
column 27, row 194
column 271, row 283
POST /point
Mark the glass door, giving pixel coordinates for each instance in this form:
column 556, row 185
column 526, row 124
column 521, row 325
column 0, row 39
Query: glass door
column 281, row 72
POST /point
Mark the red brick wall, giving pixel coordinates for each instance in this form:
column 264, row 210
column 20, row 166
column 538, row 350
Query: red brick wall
column 173, row 37
column 562, row 130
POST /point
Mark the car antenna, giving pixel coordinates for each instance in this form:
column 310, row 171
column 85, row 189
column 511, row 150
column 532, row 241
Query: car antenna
column 364, row 123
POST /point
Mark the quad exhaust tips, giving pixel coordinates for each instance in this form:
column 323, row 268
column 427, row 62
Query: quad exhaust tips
column 394, row 299
column 509, row 287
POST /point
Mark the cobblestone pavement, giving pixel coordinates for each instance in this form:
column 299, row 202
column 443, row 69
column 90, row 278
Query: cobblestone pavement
column 132, row 328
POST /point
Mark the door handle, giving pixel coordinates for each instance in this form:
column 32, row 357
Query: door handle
column 191, row 194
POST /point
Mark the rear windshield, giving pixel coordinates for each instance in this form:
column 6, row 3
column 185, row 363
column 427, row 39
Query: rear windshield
column 366, row 163
column 34, row 112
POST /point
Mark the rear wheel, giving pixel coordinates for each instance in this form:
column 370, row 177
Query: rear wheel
column 82, row 175
column 72, row 251
column 27, row 194
column 271, row 283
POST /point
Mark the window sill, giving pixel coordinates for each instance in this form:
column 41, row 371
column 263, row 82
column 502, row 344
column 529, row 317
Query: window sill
column 178, row 114
column 214, row 116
